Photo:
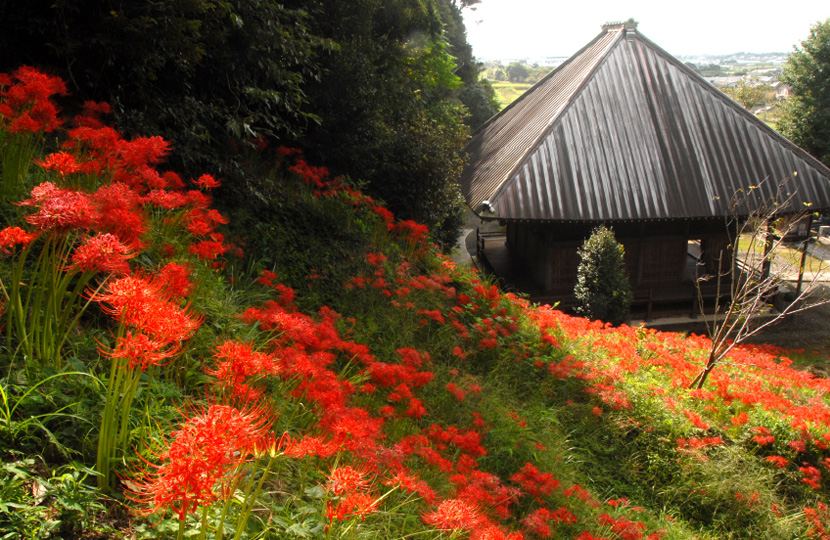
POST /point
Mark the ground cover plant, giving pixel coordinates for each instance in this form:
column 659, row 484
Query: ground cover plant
column 342, row 379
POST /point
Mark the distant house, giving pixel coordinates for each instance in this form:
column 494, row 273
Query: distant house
column 782, row 91
column 626, row 135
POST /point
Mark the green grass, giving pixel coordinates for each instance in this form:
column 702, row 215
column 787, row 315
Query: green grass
column 787, row 256
column 508, row 92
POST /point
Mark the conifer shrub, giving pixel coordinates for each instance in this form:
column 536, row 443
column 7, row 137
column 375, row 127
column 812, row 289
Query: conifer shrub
column 602, row 290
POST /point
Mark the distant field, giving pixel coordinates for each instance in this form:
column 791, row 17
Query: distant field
column 507, row 92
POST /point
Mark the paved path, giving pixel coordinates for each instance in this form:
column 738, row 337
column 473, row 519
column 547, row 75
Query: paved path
column 460, row 253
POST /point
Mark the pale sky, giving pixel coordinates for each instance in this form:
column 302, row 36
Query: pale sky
column 536, row 28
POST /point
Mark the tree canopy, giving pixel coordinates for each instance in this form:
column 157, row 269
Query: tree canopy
column 383, row 91
column 807, row 111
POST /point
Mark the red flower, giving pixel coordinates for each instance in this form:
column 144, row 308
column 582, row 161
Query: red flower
column 207, row 249
column 141, row 350
column 310, row 446
column 535, row 483
column 353, row 504
column 457, row 393
column 176, row 279
column 142, row 303
column 207, row 181
column 25, row 104
column 812, row 476
column 237, row 363
column 455, row 514
column 59, row 209
column 103, row 253
column 345, row 479
column 62, row 162
column 779, row 461
column 13, row 236
column 201, row 460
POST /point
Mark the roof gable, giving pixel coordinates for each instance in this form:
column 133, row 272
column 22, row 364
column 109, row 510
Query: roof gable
column 625, row 131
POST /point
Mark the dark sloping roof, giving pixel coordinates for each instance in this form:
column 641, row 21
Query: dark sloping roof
column 625, row 131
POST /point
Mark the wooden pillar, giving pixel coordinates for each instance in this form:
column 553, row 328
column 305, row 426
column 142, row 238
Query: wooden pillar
column 767, row 264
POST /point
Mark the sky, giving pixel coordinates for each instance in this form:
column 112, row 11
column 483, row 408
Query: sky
column 499, row 29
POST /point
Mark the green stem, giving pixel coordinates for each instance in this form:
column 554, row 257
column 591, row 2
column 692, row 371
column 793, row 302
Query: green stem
column 248, row 501
column 203, row 533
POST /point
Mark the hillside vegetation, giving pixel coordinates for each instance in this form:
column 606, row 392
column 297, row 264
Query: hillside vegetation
column 312, row 367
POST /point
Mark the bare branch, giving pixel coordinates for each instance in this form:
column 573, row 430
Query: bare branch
column 759, row 270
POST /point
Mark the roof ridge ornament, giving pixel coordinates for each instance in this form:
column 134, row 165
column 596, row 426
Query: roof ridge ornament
column 630, row 26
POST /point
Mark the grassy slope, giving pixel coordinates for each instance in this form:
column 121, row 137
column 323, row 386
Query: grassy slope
column 508, row 92
column 462, row 407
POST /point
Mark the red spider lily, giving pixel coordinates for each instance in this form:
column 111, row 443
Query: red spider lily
column 410, row 483
column 142, row 303
column 237, row 363
column 352, row 504
column 819, row 520
column 140, row 350
column 10, row 237
column 267, row 278
column 537, row 521
column 59, row 209
column 201, row 460
column 812, row 476
column 90, row 112
column 119, row 212
column 208, row 249
column 167, row 200
column 201, row 222
column 535, row 483
column 207, row 181
column 779, row 461
column 103, row 253
column 346, row 479
column 310, row 446
column 624, row 528
column 376, row 259
column 582, row 494
column 416, row 409
column 740, row 419
column 175, row 279
column 456, row 392
column 485, row 490
column 61, row 162
column 798, row 446
column 696, row 420
column 454, row 515
column 25, row 104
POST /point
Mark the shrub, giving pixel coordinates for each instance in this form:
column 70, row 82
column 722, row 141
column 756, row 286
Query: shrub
column 602, row 290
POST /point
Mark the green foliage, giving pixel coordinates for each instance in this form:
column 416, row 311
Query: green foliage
column 60, row 506
column 806, row 119
column 602, row 290
column 389, row 109
column 517, row 72
column 747, row 93
column 204, row 75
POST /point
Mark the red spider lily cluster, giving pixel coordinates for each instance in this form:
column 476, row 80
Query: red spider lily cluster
column 201, row 462
column 352, row 495
column 26, row 103
column 414, row 234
